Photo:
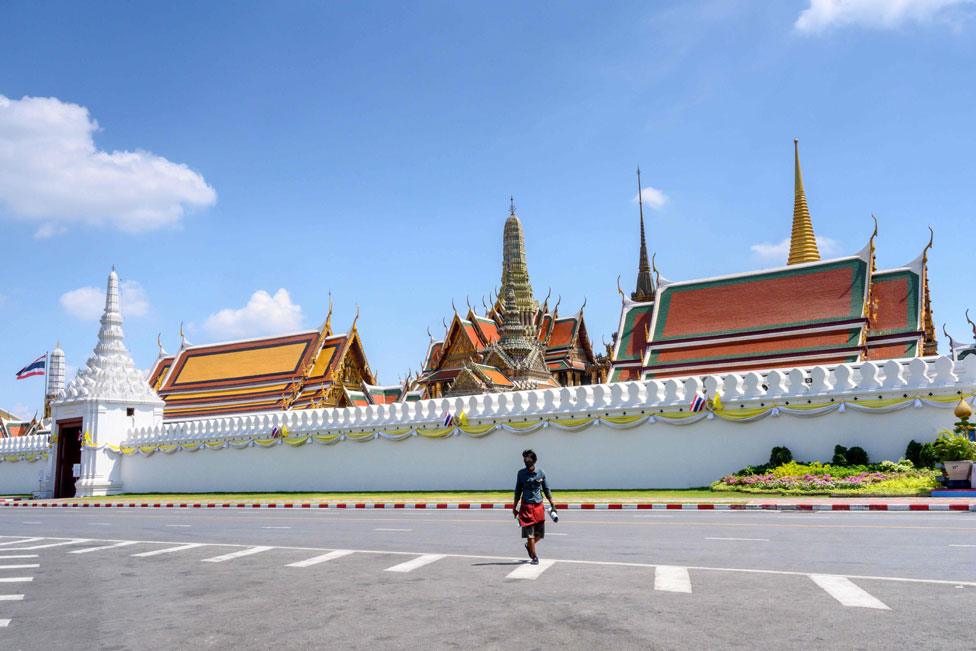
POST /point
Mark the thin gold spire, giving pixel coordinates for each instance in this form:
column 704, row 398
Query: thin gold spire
column 803, row 242
column 645, row 285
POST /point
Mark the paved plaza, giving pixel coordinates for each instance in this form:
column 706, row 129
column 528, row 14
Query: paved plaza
column 129, row 579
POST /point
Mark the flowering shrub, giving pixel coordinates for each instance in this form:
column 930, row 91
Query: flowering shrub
column 807, row 481
column 887, row 477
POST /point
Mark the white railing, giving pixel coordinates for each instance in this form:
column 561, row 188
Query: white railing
column 17, row 444
column 892, row 378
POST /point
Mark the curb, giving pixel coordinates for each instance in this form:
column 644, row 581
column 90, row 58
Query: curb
column 498, row 506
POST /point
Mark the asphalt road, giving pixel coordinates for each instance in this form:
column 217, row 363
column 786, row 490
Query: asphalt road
column 165, row 579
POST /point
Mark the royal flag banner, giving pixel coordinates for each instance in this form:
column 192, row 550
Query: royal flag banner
column 34, row 368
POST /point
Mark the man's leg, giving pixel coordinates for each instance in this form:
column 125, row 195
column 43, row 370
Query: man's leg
column 530, row 546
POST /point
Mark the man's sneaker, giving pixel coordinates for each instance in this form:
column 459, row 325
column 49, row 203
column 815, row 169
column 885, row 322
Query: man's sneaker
column 534, row 561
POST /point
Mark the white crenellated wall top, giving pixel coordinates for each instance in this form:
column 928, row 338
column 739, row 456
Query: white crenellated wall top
column 870, row 380
column 33, row 443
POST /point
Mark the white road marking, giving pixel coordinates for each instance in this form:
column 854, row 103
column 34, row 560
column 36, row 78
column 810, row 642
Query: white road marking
column 31, row 522
column 276, row 527
column 8, row 557
column 11, row 597
column 843, row 590
column 168, row 550
column 22, row 541
column 124, row 543
column 703, row 568
column 556, row 534
column 315, row 560
column 101, row 524
column 671, row 578
column 747, row 539
column 57, row 544
column 16, row 579
column 390, row 529
column 529, row 571
column 18, row 567
column 177, row 525
column 237, row 554
column 420, row 561
column 962, row 545
column 4, row 623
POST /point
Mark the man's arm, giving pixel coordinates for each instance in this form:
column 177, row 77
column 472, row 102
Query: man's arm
column 518, row 493
column 546, row 492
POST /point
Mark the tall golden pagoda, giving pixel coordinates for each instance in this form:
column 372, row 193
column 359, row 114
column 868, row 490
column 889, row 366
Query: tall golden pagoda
column 803, row 242
column 516, row 344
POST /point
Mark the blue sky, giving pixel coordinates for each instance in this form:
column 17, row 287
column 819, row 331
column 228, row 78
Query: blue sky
column 216, row 150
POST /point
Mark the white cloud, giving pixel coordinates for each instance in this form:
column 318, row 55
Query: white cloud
column 51, row 172
column 49, row 230
column 653, row 198
column 88, row 303
column 822, row 15
column 263, row 315
column 776, row 253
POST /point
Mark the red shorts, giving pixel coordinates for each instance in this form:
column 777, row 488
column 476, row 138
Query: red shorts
column 530, row 514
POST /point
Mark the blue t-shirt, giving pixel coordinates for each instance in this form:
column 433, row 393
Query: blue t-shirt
column 530, row 486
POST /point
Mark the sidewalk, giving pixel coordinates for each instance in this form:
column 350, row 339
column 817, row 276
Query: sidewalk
column 723, row 504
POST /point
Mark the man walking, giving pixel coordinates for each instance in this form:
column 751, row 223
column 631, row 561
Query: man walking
column 530, row 485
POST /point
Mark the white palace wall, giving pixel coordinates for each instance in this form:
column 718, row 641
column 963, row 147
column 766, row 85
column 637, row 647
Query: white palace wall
column 22, row 460
column 647, row 456
column 622, row 435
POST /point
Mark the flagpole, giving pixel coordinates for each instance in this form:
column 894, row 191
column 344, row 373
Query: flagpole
column 47, row 379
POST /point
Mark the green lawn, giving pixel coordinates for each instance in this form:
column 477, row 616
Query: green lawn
column 694, row 494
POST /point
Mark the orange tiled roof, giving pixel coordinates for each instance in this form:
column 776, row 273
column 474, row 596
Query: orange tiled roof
column 563, row 332
column 251, row 375
column 802, row 314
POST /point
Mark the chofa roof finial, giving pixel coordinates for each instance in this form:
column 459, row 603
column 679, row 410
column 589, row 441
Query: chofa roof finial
column 184, row 343
column 925, row 251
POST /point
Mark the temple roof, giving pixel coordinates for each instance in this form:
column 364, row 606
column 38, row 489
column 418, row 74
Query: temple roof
column 804, row 313
column 241, row 363
column 266, row 373
column 810, row 311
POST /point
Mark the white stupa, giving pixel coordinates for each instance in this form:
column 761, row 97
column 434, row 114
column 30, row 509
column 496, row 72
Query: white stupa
column 110, row 396
column 110, row 373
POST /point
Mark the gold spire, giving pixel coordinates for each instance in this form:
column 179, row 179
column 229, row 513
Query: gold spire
column 515, row 271
column 803, row 243
column 645, row 285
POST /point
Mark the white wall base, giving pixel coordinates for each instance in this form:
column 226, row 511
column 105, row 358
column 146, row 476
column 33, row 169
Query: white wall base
column 649, row 456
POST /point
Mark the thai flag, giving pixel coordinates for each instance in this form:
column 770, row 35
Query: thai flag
column 448, row 419
column 34, row 368
column 697, row 403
